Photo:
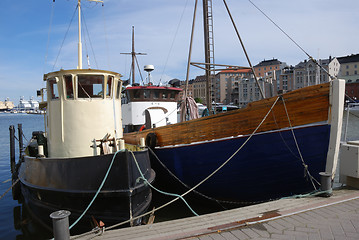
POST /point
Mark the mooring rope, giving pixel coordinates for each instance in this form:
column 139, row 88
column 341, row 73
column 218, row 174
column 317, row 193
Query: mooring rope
column 17, row 180
column 99, row 189
column 193, row 188
column 220, row 202
column 299, row 152
column 204, row 180
column 160, row 191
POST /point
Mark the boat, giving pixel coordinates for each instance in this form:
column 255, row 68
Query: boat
column 80, row 162
column 6, row 106
column 275, row 147
column 147, row 105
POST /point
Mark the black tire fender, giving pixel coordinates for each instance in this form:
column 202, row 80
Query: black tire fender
column 151, row 140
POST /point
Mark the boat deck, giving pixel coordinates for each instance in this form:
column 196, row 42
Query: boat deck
column 336, row 217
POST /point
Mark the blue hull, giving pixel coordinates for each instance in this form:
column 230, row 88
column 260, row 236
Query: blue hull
column 267, row 167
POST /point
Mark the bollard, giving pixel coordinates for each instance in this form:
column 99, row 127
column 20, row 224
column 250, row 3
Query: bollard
column 21, row 144
column 122, row 144
column 12, row 148
column 60, row 224
column 326, row 183
column 142, row 142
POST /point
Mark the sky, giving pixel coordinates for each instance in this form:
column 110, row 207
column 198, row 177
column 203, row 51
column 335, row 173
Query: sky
column 40, row 36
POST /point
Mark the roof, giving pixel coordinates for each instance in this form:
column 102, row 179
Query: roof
column 236, row 71
column 349, row 59
column 153, row 87
column 268, row 63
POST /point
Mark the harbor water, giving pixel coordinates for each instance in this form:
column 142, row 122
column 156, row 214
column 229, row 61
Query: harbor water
column 16, row 224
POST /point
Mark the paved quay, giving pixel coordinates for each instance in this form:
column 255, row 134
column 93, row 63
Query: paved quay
column 336, row 217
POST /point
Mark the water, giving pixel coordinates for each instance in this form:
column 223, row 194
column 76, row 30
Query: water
column 30, row 123
column 27, row 228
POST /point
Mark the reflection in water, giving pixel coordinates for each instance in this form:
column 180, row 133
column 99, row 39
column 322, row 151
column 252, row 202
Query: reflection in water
column 30, row 229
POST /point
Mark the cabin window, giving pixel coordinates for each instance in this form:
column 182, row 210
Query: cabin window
column 118, row 90
column 164, row 95
column 90, row 86
column 109, row 86
column 172, row 95
column 54, row 89
column 136, row 94
column 146, row 93
column 69, row 87
column 156, row 94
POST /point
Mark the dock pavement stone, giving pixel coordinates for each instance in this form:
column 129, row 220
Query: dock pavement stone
column 315, row 218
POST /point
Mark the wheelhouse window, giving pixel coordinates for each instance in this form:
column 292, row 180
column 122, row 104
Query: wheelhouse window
column 118, row 90
column 69, row 88
column 156, row 94
column 151, row 95
column 90, row 86
column 54, row 91
column 109, row 86
column 146, row 93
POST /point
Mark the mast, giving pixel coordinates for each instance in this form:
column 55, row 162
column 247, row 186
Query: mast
column 133, row 55
column 79, row 64
column 79, row 52
column 208, row 51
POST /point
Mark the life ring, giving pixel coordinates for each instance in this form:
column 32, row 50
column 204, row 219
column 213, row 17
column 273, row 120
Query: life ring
column 151, row 140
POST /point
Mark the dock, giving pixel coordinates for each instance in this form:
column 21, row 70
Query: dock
column 335, row 217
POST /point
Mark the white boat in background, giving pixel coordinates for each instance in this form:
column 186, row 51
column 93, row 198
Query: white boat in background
column 146, row 106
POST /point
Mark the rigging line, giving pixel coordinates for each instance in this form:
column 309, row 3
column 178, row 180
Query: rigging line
column 49, row 34
column 63, row 41
column 244, row 49
column 138, row 67
column 296, row 143
column 87, row 55
column 106, row 38
column 309, row 56
column 205, row 179
column 89, row 39
column 173, row 41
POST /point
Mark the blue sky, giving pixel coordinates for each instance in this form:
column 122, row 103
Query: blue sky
column 29, row 47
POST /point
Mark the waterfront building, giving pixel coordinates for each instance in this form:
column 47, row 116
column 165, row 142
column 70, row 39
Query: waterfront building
column 199, row 87
column 228, row 84
column 308, row 73
column 265, row 66
column 349, row 68
column 286, row 79
column 249, row 91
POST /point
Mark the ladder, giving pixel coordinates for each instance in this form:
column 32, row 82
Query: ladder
column 209, row 52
